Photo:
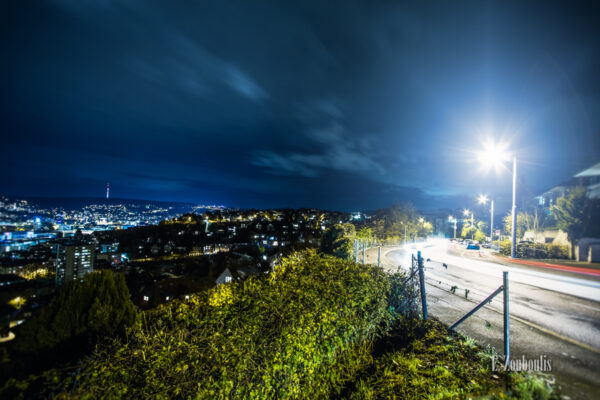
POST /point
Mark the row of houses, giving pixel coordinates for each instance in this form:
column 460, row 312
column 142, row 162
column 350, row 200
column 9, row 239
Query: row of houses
column 586, row 249
column 176, row 287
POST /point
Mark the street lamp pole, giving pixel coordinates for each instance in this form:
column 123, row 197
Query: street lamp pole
column 495, row 155
column 492, row 223
column 513, row 248
column 483, row 200
column 472, row 230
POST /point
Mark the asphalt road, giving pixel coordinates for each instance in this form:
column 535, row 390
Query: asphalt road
column 553, row 315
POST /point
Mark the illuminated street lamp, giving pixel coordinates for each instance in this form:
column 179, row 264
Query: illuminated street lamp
column 482, row 199
column 452, row 219
column 466, row 212
column 495, row 156
column 405, row 226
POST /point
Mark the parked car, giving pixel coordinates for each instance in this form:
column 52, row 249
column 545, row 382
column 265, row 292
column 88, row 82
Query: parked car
column 472, row 246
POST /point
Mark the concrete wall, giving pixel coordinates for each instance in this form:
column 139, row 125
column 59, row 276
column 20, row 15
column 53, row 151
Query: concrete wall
column 548, row 236
column 594, row 253
column 587, row 248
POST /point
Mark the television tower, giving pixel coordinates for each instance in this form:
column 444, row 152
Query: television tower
column 107, row 189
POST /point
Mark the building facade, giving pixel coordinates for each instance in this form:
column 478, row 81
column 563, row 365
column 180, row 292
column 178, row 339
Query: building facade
column 73, row 261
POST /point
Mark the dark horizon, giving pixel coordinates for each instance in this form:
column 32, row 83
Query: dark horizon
column 333, row 106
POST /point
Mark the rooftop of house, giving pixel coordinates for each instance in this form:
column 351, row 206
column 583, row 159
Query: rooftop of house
column 594, row 170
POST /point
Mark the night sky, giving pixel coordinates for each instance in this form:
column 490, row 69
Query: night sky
column 337, row 105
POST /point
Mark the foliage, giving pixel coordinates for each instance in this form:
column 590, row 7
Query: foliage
column 419, row 360
column 399, row 222
column 35, row 271
column 529, row 386
column 468, row 231
column 339, row 241
column 578, row 215
column 525, row 222
column 300, row 332
column 316, row 327
column 474, row 231
column 428, row 364
column 479, row 236
column 364, row 233
column 17, row 302
column 96, row 307
column 536, row 250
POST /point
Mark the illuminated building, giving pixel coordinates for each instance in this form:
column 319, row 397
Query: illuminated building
column 73, row 261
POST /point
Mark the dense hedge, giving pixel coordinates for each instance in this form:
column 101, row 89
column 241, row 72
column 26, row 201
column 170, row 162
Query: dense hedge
column 97, row 306
column 300, row 332
column 536, row 250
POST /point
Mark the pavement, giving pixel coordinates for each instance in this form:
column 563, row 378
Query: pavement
column 553, row 314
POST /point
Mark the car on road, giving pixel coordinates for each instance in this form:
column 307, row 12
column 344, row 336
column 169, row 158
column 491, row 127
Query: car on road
column 472, row 246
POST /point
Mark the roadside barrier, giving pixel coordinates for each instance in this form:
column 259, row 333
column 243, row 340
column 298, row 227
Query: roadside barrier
column 417, row 265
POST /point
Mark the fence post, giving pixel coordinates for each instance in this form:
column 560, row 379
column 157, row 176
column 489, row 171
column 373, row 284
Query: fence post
column 422, row 281
column 412, row 282
column 506, row 321
column 379, row 257
column 364, row 244
column 355, row 250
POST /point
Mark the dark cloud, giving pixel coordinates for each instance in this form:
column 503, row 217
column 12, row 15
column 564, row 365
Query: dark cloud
column 329, row 104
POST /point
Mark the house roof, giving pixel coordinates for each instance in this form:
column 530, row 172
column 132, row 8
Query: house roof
column 246, row 271
column 591, row 171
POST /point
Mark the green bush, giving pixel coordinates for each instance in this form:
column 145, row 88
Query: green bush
column 300, row 332
column 557, row 251
column 96, row 307
column 479, row 236
column 536, row 250
column 432, row 365
column 339, row 241
column 504, row 247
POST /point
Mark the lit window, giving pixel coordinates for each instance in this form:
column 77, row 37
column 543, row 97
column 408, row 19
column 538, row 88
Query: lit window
column 167, row 298
column 146, row 298
column 227, row 279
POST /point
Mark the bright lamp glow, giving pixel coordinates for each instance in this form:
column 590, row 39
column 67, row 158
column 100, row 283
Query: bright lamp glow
column 482, row 199
column 493, row 155
column 466, row 212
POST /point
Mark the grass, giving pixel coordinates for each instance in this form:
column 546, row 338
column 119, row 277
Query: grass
column 425, row 361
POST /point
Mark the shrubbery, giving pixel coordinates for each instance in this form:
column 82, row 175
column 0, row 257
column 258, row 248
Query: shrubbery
column 536, row 250
column 96, row 307
column 299, row 332
column 429, row 364
column 339, row 241
column 316, row 327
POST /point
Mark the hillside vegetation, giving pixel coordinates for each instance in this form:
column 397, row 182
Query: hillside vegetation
column 316, row 327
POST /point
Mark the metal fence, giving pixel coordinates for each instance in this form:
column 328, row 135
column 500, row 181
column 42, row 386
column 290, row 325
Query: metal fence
column 417, row 265
column 417, row 294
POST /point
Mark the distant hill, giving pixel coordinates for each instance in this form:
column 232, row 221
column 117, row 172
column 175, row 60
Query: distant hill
column 73, row 203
